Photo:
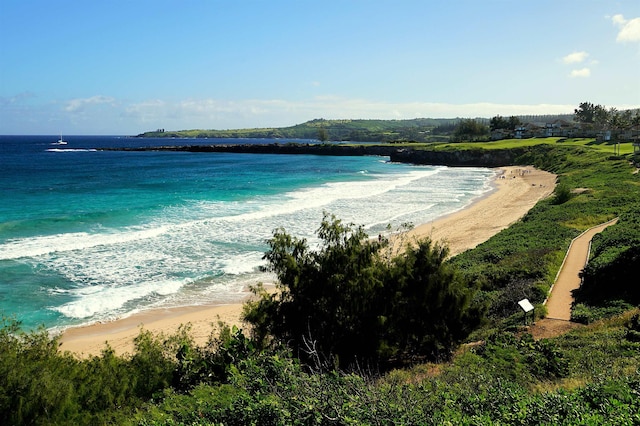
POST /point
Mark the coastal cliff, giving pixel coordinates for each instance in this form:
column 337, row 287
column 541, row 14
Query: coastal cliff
column 459, row 158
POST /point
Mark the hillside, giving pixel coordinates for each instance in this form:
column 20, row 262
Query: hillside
column 354, row 130
column 415, row 130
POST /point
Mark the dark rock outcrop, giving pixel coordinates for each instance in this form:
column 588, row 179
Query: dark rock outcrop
column 459, row 158
column 454, row 158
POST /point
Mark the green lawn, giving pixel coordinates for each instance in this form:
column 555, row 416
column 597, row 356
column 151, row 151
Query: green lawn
column 625, row 148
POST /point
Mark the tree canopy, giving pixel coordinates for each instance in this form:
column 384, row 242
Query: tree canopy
column 346, row 302
column 470, row 130
column 598, row 115
column 499, row 122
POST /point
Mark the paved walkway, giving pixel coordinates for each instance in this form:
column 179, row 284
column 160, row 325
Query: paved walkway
column 561, row 298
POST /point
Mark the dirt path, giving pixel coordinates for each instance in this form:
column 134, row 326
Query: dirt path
column 559, row 302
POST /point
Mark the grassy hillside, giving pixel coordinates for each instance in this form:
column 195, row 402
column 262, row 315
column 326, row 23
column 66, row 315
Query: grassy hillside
column 336, row 130
column 589, row 376
column 590, row 143
column 523, row 260
column 411, row 130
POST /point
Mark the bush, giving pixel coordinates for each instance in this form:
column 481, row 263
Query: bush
column 345, row 303
column 523, row 359
column 633, row 329
column 562, row 194
column 586, row 314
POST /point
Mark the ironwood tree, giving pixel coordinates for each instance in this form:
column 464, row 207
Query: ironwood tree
column 346, row 302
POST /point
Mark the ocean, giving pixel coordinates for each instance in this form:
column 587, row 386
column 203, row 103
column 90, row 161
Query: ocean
column 89, row 235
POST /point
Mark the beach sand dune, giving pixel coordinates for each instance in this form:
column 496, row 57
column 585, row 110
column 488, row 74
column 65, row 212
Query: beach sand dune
column 517, row 190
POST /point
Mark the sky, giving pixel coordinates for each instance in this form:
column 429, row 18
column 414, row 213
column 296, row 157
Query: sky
column 124, row 67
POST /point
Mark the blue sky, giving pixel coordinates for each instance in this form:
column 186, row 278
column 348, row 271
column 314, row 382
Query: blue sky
column 124, row 67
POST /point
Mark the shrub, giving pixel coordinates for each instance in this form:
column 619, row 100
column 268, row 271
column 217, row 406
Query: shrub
column 523, row 359
column 562, row 194
column 633, row 328
column 345, row 303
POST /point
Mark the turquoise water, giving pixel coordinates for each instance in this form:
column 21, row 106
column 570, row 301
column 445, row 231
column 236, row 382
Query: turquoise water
column 90, row 236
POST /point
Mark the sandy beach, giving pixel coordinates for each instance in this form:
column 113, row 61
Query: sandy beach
column 517, row 189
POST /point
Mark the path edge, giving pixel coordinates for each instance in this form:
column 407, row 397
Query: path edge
column 609, row 222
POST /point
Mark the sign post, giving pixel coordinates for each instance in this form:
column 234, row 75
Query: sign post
column 527, row 307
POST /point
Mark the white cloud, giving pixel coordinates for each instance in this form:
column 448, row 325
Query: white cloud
column 618, row 19
column 79, row 103
column 20, row 98
column 575, row 57
column 629, row 29
column 582, row 73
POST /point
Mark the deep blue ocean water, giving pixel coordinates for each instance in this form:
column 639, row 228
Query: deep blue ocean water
column 90, row 235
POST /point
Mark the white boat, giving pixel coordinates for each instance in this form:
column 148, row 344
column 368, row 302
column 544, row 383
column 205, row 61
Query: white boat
column 60, row 141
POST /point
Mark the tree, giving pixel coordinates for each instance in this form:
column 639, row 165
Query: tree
column 635, row 120
column 430, row 303
column 514, row 122
column 602, row 117
column 346, row 303
column 585, row 113
column 470, row 130
column 326, row 296
column 498, row 122
column 588, row 113
column 323, row 136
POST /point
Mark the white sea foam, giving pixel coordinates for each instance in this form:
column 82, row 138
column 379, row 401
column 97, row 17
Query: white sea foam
column 38, row 246
column 210, row 250
column 70, row 150
column 242, row 263
column 111, row 299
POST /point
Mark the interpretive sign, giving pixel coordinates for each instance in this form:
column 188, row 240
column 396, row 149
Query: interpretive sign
column 526, row 305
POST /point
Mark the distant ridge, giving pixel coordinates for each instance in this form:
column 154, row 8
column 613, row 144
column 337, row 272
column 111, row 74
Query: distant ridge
column 415, row 130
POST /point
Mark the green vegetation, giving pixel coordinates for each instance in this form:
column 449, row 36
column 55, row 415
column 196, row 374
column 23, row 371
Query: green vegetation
column 471, row 130
column 589, row 376
column 522, row 261
column 588, row 120
column 347, row 304
column 590, row 143
column 418, row 129
column 413, row 130
column 324, row 353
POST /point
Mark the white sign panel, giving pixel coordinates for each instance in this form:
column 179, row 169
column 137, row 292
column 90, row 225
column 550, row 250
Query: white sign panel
column 526, row 305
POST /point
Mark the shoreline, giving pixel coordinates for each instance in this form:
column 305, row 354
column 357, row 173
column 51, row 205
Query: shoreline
column 515, row 191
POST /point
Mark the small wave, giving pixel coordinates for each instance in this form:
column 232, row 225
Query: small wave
column 108, row 299
column 38, row 246
column 243, row 263
column 71, row 150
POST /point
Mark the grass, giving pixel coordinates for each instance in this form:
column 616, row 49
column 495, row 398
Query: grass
column 590, row 143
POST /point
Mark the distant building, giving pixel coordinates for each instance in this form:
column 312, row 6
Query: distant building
column 498, row 134
column 561, row 128
column 529, row 130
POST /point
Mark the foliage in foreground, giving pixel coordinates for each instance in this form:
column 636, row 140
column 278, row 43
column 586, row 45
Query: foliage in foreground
column 345, row 303
column 38, row 385
column 589, row 376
